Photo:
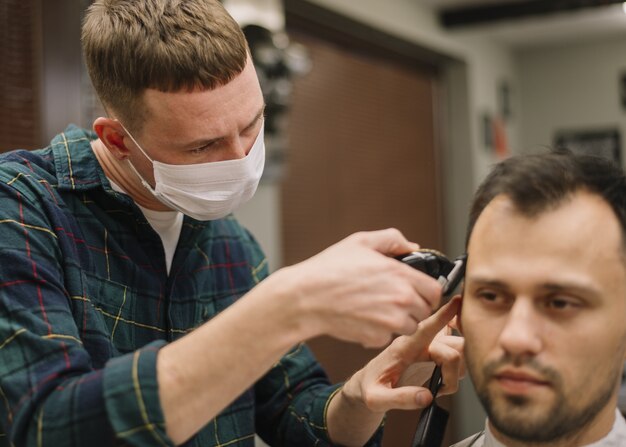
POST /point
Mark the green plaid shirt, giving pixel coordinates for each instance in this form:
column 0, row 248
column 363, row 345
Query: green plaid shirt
column 86, row 303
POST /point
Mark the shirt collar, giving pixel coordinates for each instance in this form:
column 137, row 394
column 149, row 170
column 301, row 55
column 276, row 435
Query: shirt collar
column 76, row 165
column 490, row 440
column 78, row 169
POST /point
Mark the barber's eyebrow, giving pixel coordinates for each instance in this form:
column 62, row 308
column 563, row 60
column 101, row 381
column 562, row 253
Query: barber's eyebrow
column 203, row 142
column 257, row 117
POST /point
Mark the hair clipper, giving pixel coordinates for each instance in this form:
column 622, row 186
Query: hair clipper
column 431, row 426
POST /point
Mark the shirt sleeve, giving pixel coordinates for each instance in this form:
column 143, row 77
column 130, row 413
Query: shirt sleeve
column 50, row 393
column 292, row 402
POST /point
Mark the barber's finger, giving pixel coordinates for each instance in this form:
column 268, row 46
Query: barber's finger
column 420, row 311
column 410, row 325
column 390, row 242
column 436, row 322
column 428, row 288
column 414, row 345
column 454, row 341
column 452, row 367
column 402, row 398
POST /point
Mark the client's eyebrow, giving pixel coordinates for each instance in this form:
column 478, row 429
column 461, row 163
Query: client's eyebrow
column 485, row 281
column 578, row 287
column 588, row 290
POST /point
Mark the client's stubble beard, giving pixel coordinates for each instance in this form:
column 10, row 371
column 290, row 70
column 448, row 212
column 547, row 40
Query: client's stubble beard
column 517, row 416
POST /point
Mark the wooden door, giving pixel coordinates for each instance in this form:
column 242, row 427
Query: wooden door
column 361, row 156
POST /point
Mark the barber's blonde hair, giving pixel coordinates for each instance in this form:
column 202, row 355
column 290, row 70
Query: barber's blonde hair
column 167, row 45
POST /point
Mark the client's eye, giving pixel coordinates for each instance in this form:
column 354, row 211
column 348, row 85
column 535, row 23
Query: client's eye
column 487, row 295
column 494, row 300
column 560, row 303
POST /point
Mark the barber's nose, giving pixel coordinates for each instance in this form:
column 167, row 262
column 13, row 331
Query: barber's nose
column 520, row 335
column 239, row 148
column 234, row 152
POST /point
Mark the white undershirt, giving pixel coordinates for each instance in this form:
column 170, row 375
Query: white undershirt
column 167, row 224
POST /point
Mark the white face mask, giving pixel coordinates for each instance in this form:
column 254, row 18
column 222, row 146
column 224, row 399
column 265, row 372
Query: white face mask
column 207, row 191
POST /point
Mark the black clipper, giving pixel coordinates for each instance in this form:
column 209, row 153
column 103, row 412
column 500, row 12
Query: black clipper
column 431, row 426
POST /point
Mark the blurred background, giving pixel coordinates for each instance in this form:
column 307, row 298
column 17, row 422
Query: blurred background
column 380, row 114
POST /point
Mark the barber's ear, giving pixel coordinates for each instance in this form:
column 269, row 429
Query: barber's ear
column 112, row 134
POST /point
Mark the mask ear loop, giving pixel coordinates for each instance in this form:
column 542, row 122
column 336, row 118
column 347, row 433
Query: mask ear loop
column 135, row 141
column 144, row 182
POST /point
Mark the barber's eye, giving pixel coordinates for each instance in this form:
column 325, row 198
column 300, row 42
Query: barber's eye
column 201, row 150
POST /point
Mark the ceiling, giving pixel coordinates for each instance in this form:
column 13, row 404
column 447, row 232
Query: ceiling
column 590, row 23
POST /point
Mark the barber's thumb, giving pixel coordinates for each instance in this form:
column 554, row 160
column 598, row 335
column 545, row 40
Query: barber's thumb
column 423, row 398
column 410, row 398
column 392, row 242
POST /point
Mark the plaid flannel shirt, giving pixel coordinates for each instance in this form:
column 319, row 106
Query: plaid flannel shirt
column 86, row 303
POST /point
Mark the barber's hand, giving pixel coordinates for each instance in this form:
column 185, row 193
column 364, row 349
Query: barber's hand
column 394, row 378
column 355, row 290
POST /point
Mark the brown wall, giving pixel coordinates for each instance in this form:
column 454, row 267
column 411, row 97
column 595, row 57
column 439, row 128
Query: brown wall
column 20, row 70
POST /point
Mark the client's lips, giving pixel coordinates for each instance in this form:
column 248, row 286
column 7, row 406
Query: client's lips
column 519, row 381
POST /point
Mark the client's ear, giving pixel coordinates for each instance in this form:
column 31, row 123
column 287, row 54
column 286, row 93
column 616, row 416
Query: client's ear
column 458, row 318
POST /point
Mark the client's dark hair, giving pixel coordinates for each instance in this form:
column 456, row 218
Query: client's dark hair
column 537, row 183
